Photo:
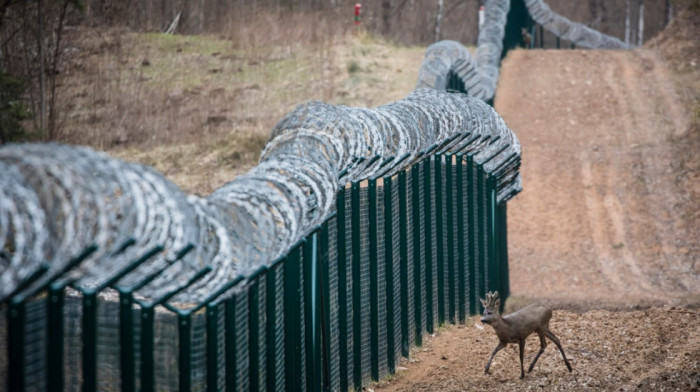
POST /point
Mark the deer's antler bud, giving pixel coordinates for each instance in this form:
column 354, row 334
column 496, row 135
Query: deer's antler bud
column 491, row 298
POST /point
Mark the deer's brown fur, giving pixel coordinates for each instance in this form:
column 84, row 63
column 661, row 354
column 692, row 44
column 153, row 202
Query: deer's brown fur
column 517, row 326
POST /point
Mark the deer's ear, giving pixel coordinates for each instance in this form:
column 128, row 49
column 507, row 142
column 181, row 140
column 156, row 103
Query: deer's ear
column 498, row 303
column 483, row 302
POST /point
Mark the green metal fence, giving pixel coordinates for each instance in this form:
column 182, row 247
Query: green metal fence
column 402, row 255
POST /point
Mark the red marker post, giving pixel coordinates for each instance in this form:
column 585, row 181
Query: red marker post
column 358, row 10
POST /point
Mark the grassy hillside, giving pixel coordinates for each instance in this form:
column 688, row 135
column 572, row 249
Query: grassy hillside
column 200, row 108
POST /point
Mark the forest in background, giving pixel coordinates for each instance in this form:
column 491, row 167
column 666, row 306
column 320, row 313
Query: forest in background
column 38, row 38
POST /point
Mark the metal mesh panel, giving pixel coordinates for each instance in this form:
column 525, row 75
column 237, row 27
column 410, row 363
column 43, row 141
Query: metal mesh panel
column 278, row 339
column 455, row 243
column 365, row 329
column 410, row 254
column 198, row 334
column 381, row 285
column 478, row 268
column 443, row 243
column 421, row 252
column 4, row 360
column 165, row 350
column 466, row 210
column 73, row 349
column 136, row 311
column 433, row 241
column 484, row 237
column 35, row 345
column 242, row 362
column 221, row 346
column 395, row 215
column 108, row 366
column 302, row 327
column 262, row 333
column 348, row 287
column 334, row 360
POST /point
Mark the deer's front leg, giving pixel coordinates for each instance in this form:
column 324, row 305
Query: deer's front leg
column 501, row 345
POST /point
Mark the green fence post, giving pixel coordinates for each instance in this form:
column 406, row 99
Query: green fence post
column 147, row 337
column 471, row 235
column 126, row 337
column 440, row 238
column 403, row 252
column 342, row 291
column 15, row 340
column 494, row 281
column 373, row 280
column 389, row 268
column 184, row 322
column 212, row 314
column 254, row 333
column 271, row 316
column 292, row 321
column 428, row 223
column 503, row 245
column 415, row 203
column 483, row 228
column 231, row 344
column 89, row 341
column 356, row 301
column 55, row 333
column 310, row 266
column 461, row 256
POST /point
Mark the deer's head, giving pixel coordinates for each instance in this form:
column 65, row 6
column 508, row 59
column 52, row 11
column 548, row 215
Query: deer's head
column 491, row 305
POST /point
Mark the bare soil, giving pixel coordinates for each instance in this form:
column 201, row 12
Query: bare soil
column 606, row 231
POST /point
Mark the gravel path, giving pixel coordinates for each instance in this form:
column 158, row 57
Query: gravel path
column 599, row 233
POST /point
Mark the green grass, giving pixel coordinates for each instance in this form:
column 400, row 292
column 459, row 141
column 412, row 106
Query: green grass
column 190, row 62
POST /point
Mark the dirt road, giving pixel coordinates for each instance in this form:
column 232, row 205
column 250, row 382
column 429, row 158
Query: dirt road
column 602, row 224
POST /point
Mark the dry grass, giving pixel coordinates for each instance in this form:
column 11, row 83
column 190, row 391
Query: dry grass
column 200, row 108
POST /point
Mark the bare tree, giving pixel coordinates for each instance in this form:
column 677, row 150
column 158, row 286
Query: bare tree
column 33, row 41
column 627, row 22
column 386, row 16
column 640, row 25
column 438, row 19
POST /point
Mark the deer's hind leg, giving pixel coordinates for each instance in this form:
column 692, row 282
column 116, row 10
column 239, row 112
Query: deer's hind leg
column 553, row 338
column 543, row 345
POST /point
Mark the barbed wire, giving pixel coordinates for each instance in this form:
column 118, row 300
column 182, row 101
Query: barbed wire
column 56, row 200
column 479, row 73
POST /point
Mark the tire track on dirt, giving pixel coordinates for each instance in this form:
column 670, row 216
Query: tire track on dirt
column 597, row 222
column 619, row 238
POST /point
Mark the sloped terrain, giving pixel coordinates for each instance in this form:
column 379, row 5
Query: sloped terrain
column 603, row 221
column 607, row 224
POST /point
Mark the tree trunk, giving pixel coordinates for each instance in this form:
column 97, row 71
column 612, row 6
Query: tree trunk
column 640, row 25
column 53, row 97
column 386, row 16
column 627, row 22
column 438, row 19
column 669, row 11
column 42, row 71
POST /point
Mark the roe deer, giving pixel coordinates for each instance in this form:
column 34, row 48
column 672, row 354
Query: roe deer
column 517, row 326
